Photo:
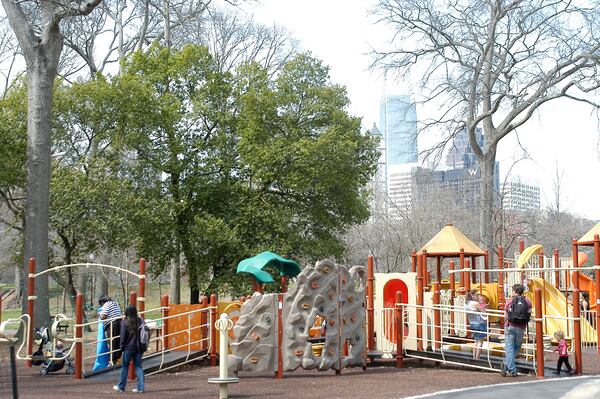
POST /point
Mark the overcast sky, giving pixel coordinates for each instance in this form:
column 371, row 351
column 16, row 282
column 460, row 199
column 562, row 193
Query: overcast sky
column 341, row 33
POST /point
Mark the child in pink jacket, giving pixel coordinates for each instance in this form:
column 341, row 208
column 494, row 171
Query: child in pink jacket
column 563, row 354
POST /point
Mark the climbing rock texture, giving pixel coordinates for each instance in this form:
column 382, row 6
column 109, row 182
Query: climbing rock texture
column 255, row 343
column 329, row 290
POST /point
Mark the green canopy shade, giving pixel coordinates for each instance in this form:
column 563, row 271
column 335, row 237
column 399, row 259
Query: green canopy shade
column 255, row 265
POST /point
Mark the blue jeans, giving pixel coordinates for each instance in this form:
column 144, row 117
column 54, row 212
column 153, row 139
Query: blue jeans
column 513, row 338
column 128, row 356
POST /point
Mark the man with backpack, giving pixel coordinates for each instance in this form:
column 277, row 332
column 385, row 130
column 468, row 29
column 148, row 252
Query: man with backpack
column 517, row 314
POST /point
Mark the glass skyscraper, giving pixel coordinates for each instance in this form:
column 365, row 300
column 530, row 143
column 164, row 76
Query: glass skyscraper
column 398, row 124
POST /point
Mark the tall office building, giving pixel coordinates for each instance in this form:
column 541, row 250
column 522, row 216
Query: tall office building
column 398, row 124
column 380, row 179
column 520, row 196
column 460, row 154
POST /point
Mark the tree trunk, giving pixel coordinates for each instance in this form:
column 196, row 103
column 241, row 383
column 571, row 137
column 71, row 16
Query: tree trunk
column 102, row 283
column 175, row 280
column 41, row 72
column 486, row 227
column 18, row 284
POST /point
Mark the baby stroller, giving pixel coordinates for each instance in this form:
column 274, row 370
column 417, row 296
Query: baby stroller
column 49, row 365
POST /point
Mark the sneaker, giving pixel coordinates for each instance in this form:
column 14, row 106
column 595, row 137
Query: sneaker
column 570, row 372
column 116, row 388
column 135, row 390
column 503, row 369
column 556, row 372
column 514, row 375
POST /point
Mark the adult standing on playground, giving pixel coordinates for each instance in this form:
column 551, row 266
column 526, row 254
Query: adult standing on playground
column 110, row 310
column 131, row 345
column 517, row 314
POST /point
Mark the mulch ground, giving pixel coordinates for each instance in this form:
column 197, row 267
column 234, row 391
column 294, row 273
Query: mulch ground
column 191, row 382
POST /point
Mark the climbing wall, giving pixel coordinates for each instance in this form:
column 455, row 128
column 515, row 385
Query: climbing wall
column 327, row 290
column 255, row 332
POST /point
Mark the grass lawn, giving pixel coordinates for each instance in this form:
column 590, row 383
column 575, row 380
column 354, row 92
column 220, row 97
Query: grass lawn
column 10, row 314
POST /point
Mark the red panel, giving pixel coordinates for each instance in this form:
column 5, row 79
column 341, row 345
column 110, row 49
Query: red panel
column 389, row 299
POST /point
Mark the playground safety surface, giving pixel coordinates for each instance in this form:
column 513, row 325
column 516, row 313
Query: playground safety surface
column 191, row 382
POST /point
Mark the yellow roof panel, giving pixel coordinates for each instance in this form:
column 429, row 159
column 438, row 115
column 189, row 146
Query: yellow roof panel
column 448, row 241
column 588, row 238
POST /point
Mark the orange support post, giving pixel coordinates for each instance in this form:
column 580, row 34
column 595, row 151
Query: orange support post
column 370, row 305
column 501, row 286
column 438, row 268
column 521, row 246
column 556, row 271
column 539, row 334
column 203, row 321
column 142, row 295
column 473, row 267
column 283, row 284
column 79, row 337
column 575, row 265
column 413, row 258
column 279, row 336
column 462, row 266
column 132, row 301
column 597, row 263
column 577, row 330
column 419, row 302
column 436, row 317
column 31, row 306
column 486, row 266
column 399, row 331
column 213, row 330
column 452, row 295
column 164, row 305
column 426, row 274
column 467, row 275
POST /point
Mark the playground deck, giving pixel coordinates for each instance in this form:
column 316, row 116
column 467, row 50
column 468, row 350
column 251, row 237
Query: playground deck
column 150, row 364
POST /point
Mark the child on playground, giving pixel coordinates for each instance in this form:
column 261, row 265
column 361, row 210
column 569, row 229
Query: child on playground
column 563, row 354
column 132, row 351
column 477, row 321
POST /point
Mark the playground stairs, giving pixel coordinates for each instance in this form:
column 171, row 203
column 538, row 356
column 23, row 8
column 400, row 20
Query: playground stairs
column 150, row 364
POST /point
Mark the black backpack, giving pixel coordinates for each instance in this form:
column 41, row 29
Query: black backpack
column 518, row 312
column 144, row 336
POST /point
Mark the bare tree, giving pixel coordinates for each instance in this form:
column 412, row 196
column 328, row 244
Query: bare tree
column 493, row 63
column 36, row 25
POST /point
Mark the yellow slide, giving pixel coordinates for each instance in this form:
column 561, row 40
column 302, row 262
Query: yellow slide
column 555, row 306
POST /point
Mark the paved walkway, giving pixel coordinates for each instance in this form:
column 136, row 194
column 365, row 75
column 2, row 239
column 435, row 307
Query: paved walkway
column 541, row 389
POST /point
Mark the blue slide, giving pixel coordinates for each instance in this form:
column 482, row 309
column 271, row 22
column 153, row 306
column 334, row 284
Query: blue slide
column 102, row 355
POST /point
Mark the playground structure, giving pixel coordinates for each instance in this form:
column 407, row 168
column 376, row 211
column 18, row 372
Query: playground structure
column 418, row 314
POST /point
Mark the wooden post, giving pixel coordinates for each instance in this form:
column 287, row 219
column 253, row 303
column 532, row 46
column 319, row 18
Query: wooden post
column 575, row 265
column 438, row 268
column 79, row 337
column 142, row 296
column 486, row 266
column 501, row 286
column 473, row 273
column 452, row 295
column 539, row 334
column 462, row 266
column 164, row 305
column 556, row 271
column 283, row 284
column 437, row 336
column 203, row 322
column 280, row 336
column 577, row 330
column 31, row 307
column 521, row 245
column 419, row 301
column 370, row 304
column 213, row 330
column 399, row 331
column 257, row 286
column 597, row 264
column 132, row 302
column 413, row 258
column 467, row 276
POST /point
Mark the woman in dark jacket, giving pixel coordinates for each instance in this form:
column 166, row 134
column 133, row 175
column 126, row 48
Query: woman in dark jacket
column 130, row 337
